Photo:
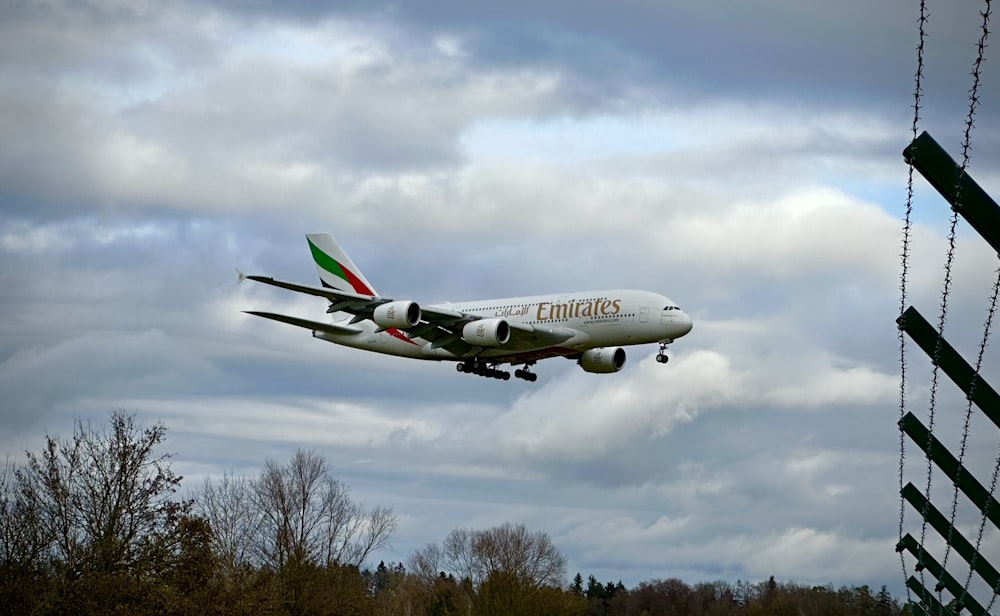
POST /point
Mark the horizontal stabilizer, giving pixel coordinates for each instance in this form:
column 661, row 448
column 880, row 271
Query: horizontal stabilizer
column 329, row 328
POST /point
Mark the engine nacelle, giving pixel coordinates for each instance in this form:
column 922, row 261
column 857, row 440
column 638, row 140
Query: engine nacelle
column 603, row 360
column 486, row 332
column 397, row 314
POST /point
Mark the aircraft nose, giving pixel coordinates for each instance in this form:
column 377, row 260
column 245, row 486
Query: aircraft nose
column 684, row 324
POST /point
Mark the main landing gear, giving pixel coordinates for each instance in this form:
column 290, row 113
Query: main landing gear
column 491, row 371
column 526, row 374
column 662, row 357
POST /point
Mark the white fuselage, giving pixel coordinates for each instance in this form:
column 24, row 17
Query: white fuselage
column 588, row 319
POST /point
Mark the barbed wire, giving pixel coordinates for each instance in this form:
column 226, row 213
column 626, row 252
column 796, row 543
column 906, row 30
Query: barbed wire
column 982, row 526
column 990, row 313
column 904, row 273
column 966, row 147
column 935, row 374
column 974, row 102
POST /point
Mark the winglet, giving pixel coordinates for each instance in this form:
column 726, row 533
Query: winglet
column 240, row 276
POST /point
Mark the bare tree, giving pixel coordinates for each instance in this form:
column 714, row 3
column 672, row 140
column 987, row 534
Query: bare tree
column 22, row 538
column 228, row 506
column 23, row 544
column 460, row 556
column 508, row 549
column 528, row 555
column 426, row 563
column 501, row 570
column 374, row 533
column 103, row 496
column 289, row 501
column 309, row 517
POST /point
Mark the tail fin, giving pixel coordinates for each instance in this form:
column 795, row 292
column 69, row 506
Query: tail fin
column 336, row 270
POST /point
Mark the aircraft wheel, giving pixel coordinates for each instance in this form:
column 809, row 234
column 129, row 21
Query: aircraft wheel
column 460, row 367
column 506, row 376
column 662, row 358
column 532, row 377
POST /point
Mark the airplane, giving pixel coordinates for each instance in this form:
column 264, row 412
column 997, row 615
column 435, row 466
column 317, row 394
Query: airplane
column 590, row 327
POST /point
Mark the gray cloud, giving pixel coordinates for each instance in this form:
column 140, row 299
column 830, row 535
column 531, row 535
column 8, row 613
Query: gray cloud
column 827, row 55
column 745, row 161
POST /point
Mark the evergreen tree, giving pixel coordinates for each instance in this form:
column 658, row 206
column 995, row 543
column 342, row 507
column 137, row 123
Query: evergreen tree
column 595, row 590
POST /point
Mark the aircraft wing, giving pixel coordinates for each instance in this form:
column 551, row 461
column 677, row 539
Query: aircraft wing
column 443, row 328
column 453, row 320
column 363, row 305
column 339, row 300
column 440, row 326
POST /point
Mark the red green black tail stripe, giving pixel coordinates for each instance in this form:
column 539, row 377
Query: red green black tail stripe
column 331, row 265
column 334, row 267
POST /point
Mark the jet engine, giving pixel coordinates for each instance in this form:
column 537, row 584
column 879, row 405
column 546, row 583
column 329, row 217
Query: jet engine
column 603, row 360
column 486, row 332
column 397, row 314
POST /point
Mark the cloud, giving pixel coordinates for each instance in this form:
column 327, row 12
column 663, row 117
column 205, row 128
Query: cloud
column 461, row 151
column 579, row 417
column 856, row 385
column 108, row 365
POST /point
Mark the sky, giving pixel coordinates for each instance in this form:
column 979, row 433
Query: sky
column 743, row 159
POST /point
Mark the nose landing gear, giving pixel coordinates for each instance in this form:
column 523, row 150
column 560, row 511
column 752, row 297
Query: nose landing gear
column 662, row 357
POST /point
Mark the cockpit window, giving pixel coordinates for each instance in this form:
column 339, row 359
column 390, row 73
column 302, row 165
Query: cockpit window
column 671, row 307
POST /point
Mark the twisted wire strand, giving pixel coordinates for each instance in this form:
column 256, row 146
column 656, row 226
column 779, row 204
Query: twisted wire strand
column 966, row 147
column 990, row 313
column 904, row 275
column 935, row 374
